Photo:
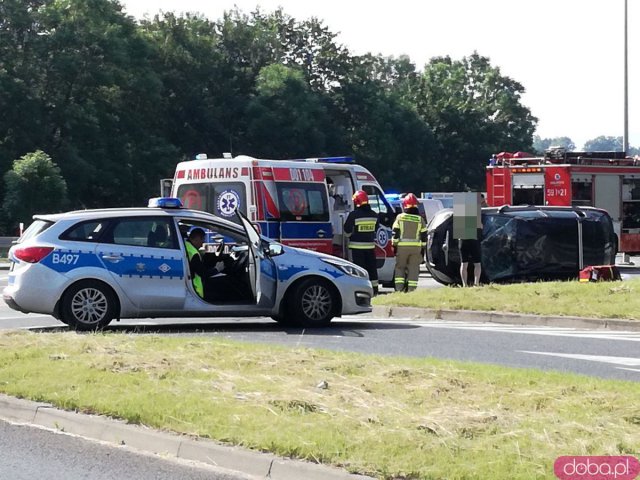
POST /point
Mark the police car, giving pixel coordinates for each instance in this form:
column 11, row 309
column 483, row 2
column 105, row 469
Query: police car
column 89, row 267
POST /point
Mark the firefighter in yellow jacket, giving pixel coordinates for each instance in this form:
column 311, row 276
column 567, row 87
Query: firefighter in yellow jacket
column 409, row 242
column 361, row 226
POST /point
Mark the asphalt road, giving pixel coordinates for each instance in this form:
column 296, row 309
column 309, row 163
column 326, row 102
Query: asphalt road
column 598, row 353
column 30, row 452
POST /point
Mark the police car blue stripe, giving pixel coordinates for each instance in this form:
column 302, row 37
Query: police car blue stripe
column 142, row 266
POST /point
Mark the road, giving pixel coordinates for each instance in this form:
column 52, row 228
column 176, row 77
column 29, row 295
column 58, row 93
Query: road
column 599, row 353
column 30, row 452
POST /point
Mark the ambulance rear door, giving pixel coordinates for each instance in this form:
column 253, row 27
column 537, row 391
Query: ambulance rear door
column 216, row 186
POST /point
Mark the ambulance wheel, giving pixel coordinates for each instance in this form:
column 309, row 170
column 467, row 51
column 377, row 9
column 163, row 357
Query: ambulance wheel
column 88, row 305
column 313, row 303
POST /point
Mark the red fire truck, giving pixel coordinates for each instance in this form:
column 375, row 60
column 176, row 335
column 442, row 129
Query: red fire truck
column 607, row 180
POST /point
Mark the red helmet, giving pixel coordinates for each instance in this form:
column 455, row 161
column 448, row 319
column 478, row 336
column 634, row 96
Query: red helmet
column 409, row 201
column 360, row 198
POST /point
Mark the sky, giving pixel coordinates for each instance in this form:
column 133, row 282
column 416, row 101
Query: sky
column 568, row 54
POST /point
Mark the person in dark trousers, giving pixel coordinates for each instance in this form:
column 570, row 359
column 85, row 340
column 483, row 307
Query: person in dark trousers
column 360, row 227
column 470, row 252
column 409, row 241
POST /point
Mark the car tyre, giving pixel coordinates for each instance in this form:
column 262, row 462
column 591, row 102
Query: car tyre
column 88, row 306
column 312, row 304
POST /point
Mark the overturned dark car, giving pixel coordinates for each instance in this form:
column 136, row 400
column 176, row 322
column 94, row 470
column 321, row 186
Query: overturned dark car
column 526, row 243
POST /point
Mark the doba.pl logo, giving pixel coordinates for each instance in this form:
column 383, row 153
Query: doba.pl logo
column 623, row 467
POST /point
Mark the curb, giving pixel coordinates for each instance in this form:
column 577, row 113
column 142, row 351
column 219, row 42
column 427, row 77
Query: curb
column 416, row 313
column 118, row 432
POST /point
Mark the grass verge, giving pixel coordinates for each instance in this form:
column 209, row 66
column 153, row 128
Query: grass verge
column 597, row 300
column 393, row 418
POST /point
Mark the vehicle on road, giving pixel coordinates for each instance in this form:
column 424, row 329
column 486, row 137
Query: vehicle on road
column 526, row 243
column 89, row 267
column 302, row 203
column 427, row 207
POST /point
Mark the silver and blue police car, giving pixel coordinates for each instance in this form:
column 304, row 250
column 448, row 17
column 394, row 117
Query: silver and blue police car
column 89, row 267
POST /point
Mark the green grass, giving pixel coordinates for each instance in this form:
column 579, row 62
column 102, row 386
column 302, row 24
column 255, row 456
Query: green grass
column 394, row 418
column 598, row 300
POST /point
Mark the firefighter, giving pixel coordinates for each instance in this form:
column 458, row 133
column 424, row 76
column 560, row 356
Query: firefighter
column 360, row 227
column 409, row 242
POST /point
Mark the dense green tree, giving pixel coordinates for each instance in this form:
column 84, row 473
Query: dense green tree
column 603, row 144
column 93, row 98
column 541, row 144
column 473, row 111
column 117, row 103
column 286, row 119
column 383, row 129
column 33, row 185
column 202, row 97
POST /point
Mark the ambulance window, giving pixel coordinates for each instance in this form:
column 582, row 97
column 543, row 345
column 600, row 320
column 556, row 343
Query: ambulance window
column 303, row 202
column 376, row 200
column 193, row 196
column 379, row 204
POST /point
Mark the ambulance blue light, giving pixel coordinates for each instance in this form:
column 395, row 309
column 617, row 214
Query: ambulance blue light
column 336, row 160
column 392, row 196
column 165, row 202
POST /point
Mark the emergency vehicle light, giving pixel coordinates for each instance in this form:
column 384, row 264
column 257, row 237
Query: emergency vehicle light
column 330, row 160
column 164, row 202
column 201, row 156
column 337, row 160
column 527, row 170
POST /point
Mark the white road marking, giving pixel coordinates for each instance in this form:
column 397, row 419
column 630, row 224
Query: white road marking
column 627, row 361
column 600, row 334
column 630, row 369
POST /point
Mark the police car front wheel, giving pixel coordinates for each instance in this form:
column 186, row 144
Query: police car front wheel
column 88, row 305
column 313, row 303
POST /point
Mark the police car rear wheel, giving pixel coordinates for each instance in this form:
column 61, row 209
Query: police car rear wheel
column 312, row 304
column 88, row 305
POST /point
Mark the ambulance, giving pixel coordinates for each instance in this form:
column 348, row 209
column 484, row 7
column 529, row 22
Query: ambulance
column 302, row 203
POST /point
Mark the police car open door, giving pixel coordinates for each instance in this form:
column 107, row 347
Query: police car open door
column 255, row 254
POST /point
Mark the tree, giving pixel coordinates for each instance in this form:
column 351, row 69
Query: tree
column 383, row 129
column 34, row 185
column 604, row 144
column 286, row 119
column 79, row 72
column 542, row 144
column 473, row 111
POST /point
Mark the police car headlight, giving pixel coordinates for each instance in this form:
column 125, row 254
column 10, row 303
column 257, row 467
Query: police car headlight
column 348, row 268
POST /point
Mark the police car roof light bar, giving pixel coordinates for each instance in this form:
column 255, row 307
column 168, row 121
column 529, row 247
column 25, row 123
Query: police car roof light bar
column 165, row 202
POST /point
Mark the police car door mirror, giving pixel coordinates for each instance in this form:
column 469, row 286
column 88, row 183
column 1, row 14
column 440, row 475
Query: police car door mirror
column 398, row 210
column 275, row 249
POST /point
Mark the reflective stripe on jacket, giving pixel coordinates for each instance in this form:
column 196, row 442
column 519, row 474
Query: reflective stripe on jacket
column 409, row 230
column 197, row 281
column 361, row 226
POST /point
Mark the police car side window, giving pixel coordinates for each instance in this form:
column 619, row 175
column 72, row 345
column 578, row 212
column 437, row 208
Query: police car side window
column 90, row 231
column 143, row 232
